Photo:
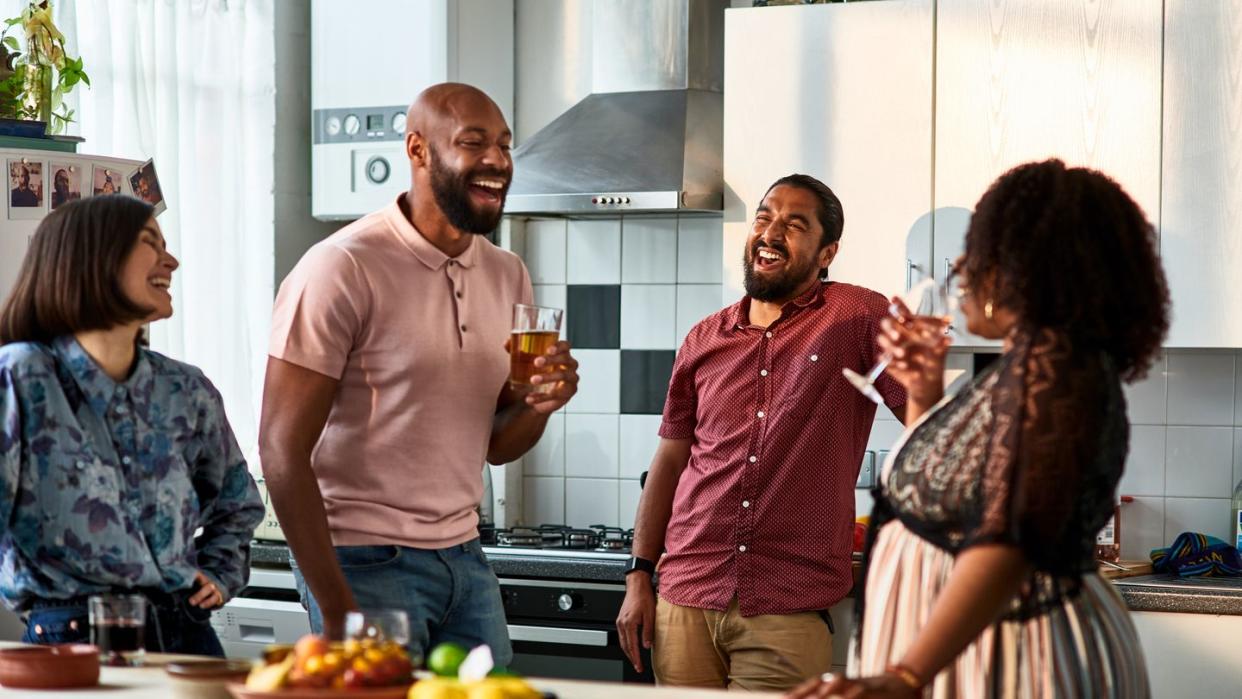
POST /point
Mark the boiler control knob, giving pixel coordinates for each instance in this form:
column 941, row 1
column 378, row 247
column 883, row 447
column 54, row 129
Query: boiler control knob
column 352, row 124
column 333, row 126
column 378, row 169
column 567, row 602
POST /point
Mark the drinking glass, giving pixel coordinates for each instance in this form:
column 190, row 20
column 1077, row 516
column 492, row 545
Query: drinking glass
column 927, row 300
column 378, row 625
column 118, row 625
column 535, row 329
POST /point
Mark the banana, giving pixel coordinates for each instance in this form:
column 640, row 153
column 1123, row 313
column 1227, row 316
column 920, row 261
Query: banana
column 268, row 678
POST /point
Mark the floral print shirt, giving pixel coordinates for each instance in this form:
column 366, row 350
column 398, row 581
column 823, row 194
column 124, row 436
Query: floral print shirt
column 106, row 485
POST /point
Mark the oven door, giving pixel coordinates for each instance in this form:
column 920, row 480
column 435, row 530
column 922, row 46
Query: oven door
column 567, row 629
column 577, row 651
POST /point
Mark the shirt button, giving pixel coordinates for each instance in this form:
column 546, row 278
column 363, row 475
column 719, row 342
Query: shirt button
column 121, row 410
column 742, row 548
column 459, row 294
column 463, row 328
column 126, row 460
column 768, row 334
column 746, row 503
column 814, row 357
column 754, row 459
column 763, row 372
column 760, row 413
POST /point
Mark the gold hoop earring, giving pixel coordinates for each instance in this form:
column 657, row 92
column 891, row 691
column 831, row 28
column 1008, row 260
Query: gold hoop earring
column 987, row 309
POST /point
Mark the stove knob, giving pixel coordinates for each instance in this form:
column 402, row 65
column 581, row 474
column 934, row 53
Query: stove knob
column 568, row 602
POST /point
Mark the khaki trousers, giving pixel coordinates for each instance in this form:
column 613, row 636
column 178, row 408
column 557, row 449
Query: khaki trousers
column 706, row 648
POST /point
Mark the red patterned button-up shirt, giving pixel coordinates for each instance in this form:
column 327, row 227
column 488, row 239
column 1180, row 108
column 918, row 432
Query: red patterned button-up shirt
column 764, row 510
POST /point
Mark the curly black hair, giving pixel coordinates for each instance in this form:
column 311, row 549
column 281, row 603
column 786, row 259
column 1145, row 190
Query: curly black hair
column 1067, row 248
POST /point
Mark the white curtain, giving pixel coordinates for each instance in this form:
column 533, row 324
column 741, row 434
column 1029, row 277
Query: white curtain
column 190, row 83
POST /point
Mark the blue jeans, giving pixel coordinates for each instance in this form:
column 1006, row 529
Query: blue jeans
column 449, row 594
column 170, row 628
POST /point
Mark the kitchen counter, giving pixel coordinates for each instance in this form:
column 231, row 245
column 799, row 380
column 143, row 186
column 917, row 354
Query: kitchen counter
column 151, row 682
column 1166, row 593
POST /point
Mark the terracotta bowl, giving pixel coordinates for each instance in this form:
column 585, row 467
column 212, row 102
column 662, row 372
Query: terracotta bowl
column 50, row 667
column 206, row 679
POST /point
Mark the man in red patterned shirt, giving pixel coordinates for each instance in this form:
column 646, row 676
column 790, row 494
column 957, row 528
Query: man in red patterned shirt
column 750, row 495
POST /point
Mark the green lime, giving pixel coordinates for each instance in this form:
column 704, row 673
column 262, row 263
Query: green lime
column 445, row 659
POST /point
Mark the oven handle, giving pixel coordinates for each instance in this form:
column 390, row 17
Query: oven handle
column 555, row 634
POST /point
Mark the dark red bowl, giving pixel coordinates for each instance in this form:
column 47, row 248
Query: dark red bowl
column 50, row 667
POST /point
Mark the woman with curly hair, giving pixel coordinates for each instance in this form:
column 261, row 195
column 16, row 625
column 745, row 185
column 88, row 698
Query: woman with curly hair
column 981, row 578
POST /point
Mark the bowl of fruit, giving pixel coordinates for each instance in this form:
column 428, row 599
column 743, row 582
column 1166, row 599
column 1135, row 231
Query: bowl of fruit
column 315, row 668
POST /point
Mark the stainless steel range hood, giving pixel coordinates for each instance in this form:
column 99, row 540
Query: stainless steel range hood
column 649, row 136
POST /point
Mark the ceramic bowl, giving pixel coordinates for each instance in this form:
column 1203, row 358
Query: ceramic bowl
column 206, row 679
column 50, row 667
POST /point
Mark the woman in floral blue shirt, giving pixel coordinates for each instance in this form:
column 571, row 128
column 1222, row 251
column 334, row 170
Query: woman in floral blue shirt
column 118, row 469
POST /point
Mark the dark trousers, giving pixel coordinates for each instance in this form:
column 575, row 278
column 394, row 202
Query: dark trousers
column 173, row 626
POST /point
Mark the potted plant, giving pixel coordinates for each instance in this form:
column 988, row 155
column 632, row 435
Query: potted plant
column 34, row 82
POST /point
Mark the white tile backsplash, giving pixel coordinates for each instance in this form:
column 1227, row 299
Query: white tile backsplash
column 593, row 251
column 862, row 503
column 591, row 446
column 1237, row 390
column 1144, row 472
column 547, row 457
column 699, row 242
column 591, row 501
column 1145, row 400
column 628, row 497
column 648, row 250
column 694, row 303
column 639, row 440
column 1237, row 458
column 543, row 500
column 1199, row 462
column 1204, row 515
column 885, row 430
column 648, row 316
column 1142, row 528
column 545, row 251
column 599, row 382
column 553, row 296
column 1201, row 388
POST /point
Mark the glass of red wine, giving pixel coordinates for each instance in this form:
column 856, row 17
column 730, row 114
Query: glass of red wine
column 118, row 623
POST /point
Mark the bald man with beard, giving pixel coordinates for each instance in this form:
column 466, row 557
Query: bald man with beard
column 387, row 389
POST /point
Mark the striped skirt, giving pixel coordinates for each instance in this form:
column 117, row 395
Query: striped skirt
column 1085, row 646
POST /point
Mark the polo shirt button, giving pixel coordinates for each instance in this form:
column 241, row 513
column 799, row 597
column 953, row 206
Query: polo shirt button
column 763, row 372
column 746, row 503
column 754, row 459
column 814, row 357
column 459, row 294
column 768, row 334
column 126, row 460
column 760, row 413
column 742, row 548
column 463, row 328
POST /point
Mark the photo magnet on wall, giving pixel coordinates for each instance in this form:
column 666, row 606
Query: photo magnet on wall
column 106, row 181
column 66, row 182
column 146, row 186
column 26, row 200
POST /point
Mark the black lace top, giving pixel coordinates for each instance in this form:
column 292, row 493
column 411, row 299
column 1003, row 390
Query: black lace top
column 1028, row 454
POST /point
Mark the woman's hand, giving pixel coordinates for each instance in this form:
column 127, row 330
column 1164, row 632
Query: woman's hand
column 208, row 595
column 878, row 687
column 917, row 346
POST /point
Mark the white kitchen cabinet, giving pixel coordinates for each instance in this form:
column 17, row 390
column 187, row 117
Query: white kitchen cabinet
column 1200, row 240
column 1022, row 80
column 842, row 93
column 1200, row 648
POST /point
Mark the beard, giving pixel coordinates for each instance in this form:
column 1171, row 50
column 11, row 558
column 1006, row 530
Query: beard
column 452, row 192
column 769, row 288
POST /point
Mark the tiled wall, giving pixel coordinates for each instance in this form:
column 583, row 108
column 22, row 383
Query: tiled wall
column 631, row 288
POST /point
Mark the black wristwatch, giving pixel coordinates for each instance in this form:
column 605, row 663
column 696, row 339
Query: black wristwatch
column 637, row 563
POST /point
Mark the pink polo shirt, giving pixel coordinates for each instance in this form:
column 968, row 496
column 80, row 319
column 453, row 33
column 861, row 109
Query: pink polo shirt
column 416, row 340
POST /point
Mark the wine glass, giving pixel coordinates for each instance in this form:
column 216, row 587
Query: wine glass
column 378, row 625
column 927, row 300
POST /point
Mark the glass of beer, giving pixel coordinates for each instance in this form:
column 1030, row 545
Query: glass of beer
column 535, row 329
column 118, row 623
